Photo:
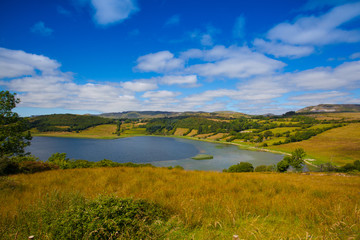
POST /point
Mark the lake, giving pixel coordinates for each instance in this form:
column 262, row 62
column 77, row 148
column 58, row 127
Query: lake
column 159, row 151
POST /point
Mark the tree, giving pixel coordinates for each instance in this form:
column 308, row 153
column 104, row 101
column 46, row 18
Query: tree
column 268, row 134
column 14, row 134
column 297, row 158
column 283, row 165
column 241, row 167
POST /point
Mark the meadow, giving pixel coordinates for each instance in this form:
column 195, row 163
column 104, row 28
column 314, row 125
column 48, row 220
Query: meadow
column 338, row 146
column 202, row 205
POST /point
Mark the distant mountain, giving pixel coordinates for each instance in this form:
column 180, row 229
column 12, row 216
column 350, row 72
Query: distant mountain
column 162, row 114
column 140, row 114
column 331, row 108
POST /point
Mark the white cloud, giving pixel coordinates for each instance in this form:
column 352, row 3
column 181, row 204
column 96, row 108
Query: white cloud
column 160, row 94
column 239, row 27
column 234, row 62
column 17, row 63
column 346, row 75
column 109, row 11
column 262, row 89
column 278, row 49
column 173, row 20
column 319, row 96
column 182, row 80
column 319, row 30
column 139, row 85
column 332, row 97
column 112, row 11
column 40, row 28
column 160, row 62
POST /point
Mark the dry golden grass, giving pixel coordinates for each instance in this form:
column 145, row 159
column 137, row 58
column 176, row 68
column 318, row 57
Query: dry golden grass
column 338, row 145
column 180, row 131
column 217, row 136
column 213, row 205
column 338, row 116
column 192, row 133
column 205, row 135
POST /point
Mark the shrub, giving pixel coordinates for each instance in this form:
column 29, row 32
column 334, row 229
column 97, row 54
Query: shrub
column 283, row 165
column 327, row 167
column 8, row 167
column 265, row 168
column 241, row 167
column 109, row 218
column 33, row 167
column 357, row 165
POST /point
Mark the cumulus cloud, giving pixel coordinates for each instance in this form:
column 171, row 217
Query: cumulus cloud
column 233, row 62
column 39, row 82
column 190, row 80
column 346, row 75
column 139, row 85
column 331, row 97
column 107, row 12
column 279, row 49
column 16, row 63
column 319, row 30
column 39, row 28
column 112, row 11
column 160, row 94
column 160, row 62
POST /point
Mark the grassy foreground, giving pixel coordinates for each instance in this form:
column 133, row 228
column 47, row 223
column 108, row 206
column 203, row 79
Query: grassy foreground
column 203, row 205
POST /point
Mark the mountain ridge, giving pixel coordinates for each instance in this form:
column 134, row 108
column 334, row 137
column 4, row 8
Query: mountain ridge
column 324, row 108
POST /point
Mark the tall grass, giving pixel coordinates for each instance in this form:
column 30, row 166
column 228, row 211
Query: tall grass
column 204, row 205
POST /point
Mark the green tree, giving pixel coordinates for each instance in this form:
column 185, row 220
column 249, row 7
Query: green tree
column 60, row 160
column 297, row 159
column 241, row 167
column 14, row 134
column 268, row 134
column 283, row 165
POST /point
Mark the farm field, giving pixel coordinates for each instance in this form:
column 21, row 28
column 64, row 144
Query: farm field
column 202, row 205
column 338, row 145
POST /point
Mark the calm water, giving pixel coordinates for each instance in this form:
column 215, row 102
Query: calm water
column 159, row 151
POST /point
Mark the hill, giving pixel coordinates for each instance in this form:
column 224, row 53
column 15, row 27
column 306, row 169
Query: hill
column 164, row 114
column 321, row 108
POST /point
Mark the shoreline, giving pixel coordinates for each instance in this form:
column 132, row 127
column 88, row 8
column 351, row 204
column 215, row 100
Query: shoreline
column 240, row 146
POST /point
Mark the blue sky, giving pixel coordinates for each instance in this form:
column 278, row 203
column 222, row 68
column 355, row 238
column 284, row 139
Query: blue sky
column 94, row 56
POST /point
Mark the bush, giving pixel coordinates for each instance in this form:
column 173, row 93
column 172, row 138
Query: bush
column 264, row 168
column 8, row 167
column 327, row 167
column 241, row 167
column 33, row 167
column 109, row 218
column 283, row 165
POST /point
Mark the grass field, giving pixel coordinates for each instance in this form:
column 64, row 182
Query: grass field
column 338, row 116
column 105, row 131
column 338, row 145
column 203, row 205
column 180, row 131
